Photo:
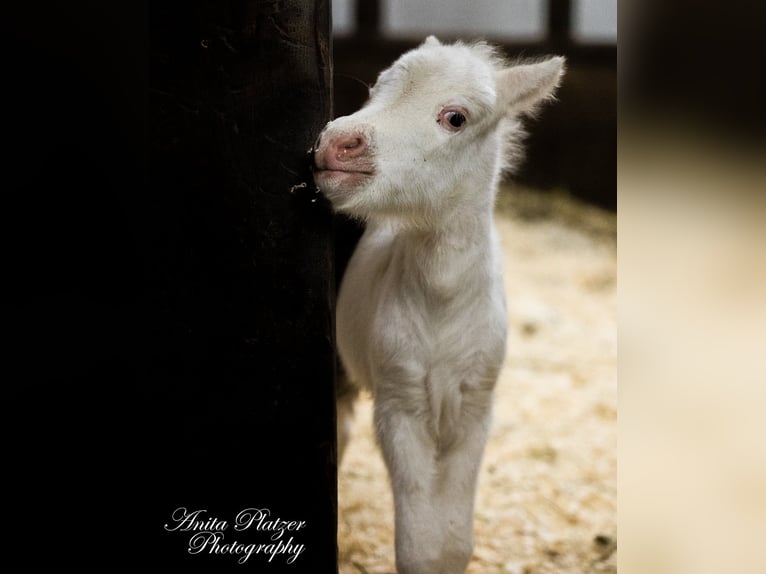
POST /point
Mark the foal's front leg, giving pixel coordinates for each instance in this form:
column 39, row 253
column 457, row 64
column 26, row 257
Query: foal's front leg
column 433, row 483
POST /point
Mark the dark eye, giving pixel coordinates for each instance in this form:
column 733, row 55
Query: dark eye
column 453, row 118
column 456, row 119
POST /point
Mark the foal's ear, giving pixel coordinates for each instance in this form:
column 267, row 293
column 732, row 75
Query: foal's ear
column 521, row 88
column 432, row 41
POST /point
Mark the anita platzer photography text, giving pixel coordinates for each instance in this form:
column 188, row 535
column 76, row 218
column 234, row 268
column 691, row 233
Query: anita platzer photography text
column 212, row 535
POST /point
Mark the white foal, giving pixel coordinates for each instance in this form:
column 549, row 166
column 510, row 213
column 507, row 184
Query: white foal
column 421, row 318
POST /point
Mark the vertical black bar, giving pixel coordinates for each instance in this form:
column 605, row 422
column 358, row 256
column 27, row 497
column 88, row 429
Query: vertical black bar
column 368, row 18
column 237, row 361
column 559, row 23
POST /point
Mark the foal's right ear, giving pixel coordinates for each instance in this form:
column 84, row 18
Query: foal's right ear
column 521, row 88
column 432, row 41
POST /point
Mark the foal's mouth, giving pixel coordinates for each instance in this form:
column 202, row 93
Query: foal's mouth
column 334, row 174
column 361, row 168
column 341, row 180
column 341, row 173
column 347, row 171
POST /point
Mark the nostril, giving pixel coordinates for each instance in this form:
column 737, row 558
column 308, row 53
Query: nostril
column 350, row 147
column 353, row 143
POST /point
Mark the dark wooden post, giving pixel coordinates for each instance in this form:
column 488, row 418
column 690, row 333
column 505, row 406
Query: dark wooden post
column 368, row 18
column 238, row 350
column 559, row 24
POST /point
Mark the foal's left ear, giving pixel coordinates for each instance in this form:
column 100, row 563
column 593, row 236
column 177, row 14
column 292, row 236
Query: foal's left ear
column 520, row 89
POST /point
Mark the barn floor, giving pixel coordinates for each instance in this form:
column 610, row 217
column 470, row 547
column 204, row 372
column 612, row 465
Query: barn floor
column 548, row 485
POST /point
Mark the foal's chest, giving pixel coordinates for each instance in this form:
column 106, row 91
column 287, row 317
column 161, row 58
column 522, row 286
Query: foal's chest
column 393, row 318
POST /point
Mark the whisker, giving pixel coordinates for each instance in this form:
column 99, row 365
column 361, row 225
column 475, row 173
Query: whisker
column 358, row 80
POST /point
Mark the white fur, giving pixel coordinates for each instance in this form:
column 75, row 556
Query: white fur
column 421, row 317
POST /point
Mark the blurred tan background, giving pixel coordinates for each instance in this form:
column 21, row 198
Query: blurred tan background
column 692, row 296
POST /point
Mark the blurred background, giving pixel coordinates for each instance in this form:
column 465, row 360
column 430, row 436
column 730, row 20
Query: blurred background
column 572, row 145
column 692, row 300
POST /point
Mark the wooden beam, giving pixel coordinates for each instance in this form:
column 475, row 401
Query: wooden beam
column 559, row 23
column 239, row 360
column 368, row 18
